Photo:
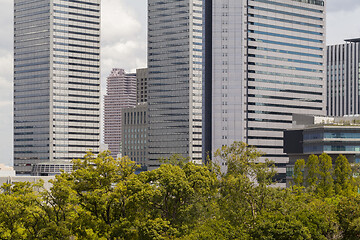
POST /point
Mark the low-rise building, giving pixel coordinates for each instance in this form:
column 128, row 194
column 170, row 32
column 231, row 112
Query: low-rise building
column 6, row 171
column 31, row 179
column 317, row 135
column 51, row 168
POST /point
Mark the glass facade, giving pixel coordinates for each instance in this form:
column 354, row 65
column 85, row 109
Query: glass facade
column 56, row 80
column 175, row 79
column 135, row 127
column 343, row 79
column 331, row 135
column 268, row 62
column 330, row 139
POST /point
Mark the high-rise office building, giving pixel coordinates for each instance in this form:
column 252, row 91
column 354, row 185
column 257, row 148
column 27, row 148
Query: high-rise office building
column 134, row 133
column 120, row 94
column 265, row 60
column 175, row 79
column 135, row 124
column 56, row 80
column 141, row 85
column 343, row 78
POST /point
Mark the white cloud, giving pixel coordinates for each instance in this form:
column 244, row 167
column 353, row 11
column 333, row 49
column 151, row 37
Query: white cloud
column 6, row 69
column 6, row 106
column 343, row 25
column 123, row 36
column 341, row 5
column 119, row 22
column 6, row 25
column 6, row 123
column 128, row 55
column 6, row 41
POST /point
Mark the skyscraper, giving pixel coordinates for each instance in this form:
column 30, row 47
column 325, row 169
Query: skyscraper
column 56, row 80
column 175, row 79
column 120, row 94
column 135, row 125
column 267, row 60
column 142, row 85
column 343, row 78
column 134, row 134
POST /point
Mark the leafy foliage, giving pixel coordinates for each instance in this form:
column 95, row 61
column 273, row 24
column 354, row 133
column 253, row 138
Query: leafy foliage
column 103, row 198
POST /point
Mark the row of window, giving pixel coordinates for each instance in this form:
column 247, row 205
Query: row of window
column 285, row 98
column 321, row 135
column 268, row 10
column 284, row 90
column 285, row 59
column 330, row 148
column 285, row 43
column 290, row 29
column 284, row 106
column 285, row 75
column 294, row 6
column 285, row 83
column 285, row 20
column 286, row 52
column 285, row 67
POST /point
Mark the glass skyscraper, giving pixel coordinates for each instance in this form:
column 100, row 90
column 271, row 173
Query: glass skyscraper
column 175, row 79
column 343, row 84
column 267, row 62
column 56, row 80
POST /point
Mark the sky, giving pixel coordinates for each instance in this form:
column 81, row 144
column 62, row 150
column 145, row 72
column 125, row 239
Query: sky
column 123, row 45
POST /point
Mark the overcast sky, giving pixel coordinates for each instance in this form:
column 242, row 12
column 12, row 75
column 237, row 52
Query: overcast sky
column 124, row 46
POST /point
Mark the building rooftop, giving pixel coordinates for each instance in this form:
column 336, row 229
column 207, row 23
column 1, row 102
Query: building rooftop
column 352, row 40
column 6, row 171
column 301, row 121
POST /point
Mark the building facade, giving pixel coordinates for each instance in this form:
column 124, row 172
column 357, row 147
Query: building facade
column 56, row 81
column 268, row 61
column 135, row 124
column 343, row 78
column 142, row 75
column 135, row 134
column 175, row 79
column 317, row 135
column 120, row 94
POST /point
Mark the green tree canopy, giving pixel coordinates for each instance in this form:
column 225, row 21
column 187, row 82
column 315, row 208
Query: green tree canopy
column 103, row 198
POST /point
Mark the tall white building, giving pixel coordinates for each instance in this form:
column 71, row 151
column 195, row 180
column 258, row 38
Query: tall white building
column 175, row 79
column 343, row 78
column 267, row 61
column 56, row 80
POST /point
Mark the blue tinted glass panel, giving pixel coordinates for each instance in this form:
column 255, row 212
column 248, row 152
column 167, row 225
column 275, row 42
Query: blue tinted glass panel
column 311, row 136
column 330, row 148
column 313, row 148
column 341, row 135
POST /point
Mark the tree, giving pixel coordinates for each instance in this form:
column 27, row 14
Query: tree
column 20, row 215
column 181, row 195
column 219, row 229
column 97, row 197
column 348, row 213
column 244, row 189
column 312, row 172
column 299, row 172
column 344, row 180
column 239, row 158
column 103, row 198
column 326, row 182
